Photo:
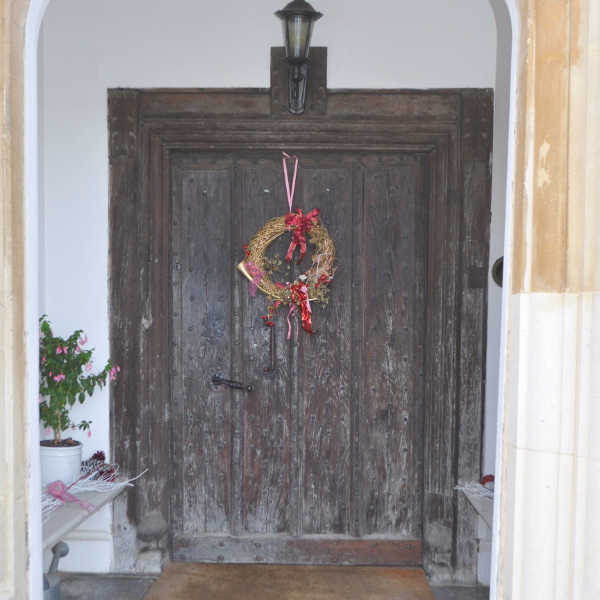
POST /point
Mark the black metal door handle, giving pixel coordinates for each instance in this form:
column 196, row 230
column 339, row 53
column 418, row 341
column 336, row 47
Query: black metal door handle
column 220, row 380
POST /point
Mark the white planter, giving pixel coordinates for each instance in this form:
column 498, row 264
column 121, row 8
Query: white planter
column 60, row 463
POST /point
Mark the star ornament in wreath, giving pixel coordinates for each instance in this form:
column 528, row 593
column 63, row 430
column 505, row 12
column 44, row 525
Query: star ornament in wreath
column 309, row 287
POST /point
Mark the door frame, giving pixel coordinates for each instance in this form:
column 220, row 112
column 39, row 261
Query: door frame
column 452, row 127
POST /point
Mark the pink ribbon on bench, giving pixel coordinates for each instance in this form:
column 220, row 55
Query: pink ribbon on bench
column 59, row 490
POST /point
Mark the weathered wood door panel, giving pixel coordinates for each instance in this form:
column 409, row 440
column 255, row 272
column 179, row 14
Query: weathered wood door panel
column 329, row 443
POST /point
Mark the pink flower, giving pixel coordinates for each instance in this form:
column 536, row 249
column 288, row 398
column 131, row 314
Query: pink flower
column 113, row 373
column 58, row 378
column 83, row 340
column 43, row 359
column 59, row 350
column 47, row 430
column 89, row 433
column 77, row 349
column 88, row 367
column 65, row 350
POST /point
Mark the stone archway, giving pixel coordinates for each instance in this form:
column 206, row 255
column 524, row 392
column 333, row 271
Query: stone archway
column 554, row 275
column 545, row 525
column 14, row 454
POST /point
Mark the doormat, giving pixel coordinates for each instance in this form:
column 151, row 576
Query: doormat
column 183, row 581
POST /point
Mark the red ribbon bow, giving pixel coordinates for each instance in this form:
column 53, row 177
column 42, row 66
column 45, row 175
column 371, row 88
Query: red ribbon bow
column 299, row 298
column 300, row 224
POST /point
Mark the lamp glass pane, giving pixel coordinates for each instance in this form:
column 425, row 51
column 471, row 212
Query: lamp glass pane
column 298, row 37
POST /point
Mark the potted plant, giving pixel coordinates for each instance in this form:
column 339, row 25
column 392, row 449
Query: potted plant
column 65, row 378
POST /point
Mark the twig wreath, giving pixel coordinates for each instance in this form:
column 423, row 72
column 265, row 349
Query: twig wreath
column 309, row 287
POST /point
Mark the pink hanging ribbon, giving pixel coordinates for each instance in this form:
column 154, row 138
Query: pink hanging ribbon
column 291, row 313
column 256, row 273
column 299, row 223
column 290, row 190
column 59, row 490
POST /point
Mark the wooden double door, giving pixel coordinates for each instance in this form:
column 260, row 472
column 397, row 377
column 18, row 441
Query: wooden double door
column 322, row 462
column 351, row 443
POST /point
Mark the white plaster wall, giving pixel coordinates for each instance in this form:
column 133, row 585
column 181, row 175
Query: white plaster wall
column 496, row 294
column 91, row 45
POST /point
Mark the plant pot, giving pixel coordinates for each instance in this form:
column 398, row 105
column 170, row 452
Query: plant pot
column 60, row 463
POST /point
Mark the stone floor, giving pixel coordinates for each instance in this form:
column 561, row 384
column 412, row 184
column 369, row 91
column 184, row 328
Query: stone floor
column 104, row 587
column 461, row 592
column 127, row 587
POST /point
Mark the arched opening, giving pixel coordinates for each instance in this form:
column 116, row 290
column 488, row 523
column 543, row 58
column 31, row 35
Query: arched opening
column 528, row 272
column 35, row 13
column 75, row 137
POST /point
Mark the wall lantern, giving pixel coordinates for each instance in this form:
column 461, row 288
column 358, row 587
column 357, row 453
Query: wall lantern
column 297, row 20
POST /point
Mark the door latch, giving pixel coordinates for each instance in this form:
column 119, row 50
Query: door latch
column 236, row 385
